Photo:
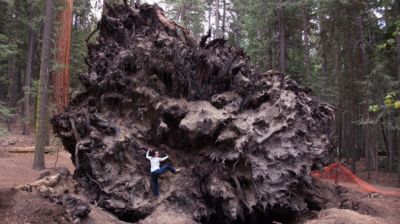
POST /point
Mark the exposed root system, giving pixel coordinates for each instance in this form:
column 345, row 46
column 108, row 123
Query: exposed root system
column 246, row 141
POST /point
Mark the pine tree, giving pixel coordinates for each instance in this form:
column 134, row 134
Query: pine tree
column 42, row 101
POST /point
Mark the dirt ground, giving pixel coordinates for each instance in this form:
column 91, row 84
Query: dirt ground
column 16, row 168
column 20, row 207
column 33, row 209
column 347, row 204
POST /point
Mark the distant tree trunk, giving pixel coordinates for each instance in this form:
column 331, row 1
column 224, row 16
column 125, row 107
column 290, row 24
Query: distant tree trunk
column 132, row 2
column 184, row 14
column 306, row 24
column 395, row 146
column 271, row 55
column 268, row 56
column 224, row 18
column 397, row 8
column 339, row 114
column 368, row 149
column 27, row 83
column 41, row 115
column 209, row 15
column 386, row 144
column 109, row 2
column 61, row 75
column 12, row 88
column 217, row 34
column 396, row 149
column 282, row 38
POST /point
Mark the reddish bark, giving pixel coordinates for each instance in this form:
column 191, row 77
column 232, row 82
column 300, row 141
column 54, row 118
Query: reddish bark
column 62, row 74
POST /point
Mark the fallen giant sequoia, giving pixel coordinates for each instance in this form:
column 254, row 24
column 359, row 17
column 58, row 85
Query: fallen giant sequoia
column 246, row 140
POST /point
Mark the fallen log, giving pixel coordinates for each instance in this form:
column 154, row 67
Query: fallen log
column 30, row 149
column 247, row 141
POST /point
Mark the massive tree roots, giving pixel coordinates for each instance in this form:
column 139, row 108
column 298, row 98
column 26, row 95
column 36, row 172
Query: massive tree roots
column 245, row 140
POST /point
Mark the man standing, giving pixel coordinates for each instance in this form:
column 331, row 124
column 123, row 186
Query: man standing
column 157, row 171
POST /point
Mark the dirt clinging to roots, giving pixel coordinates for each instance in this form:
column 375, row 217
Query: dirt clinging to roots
column 246, row 141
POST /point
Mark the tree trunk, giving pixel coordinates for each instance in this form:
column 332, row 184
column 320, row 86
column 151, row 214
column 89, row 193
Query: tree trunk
column 27, row 83
column 271, row 54
column 223, row 18
column 209, row 16
column 369, row 154
column 282, row 39
column 61, row 75
column 12, row 89
column 110, row 3
column 397, row 10
column 363, row 76
column 132, row 2
column 385, row 142
column 217, row 34
column 306, row 24
column 41, row 115
column 396, row 148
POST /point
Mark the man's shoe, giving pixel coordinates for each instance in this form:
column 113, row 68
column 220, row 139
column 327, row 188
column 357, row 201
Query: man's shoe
column 177, row 170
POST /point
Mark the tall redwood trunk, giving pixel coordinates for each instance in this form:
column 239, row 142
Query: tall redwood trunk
column 62, row 74
column 42, row 115
column 27, row 83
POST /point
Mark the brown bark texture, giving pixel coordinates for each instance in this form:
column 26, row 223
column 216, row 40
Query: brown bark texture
column 27, row 84
column 246, row 141
column 12, row 89
column 42, row 102
column 62, row 73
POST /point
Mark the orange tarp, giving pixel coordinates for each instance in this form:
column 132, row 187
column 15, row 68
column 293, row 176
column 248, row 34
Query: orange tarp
column 340, row 173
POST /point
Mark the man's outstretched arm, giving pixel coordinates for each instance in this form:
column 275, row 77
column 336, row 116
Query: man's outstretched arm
column 164, row 158
column 147, row 155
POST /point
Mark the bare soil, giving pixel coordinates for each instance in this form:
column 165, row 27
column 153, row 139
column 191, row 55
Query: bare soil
column 16, row 168
column 24, row 207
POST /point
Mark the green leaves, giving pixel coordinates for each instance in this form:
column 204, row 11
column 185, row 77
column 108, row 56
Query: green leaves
column 390, row 103
column 373, row 108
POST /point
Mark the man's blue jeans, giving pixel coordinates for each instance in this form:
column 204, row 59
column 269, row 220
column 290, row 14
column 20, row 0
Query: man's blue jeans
column 156, row 173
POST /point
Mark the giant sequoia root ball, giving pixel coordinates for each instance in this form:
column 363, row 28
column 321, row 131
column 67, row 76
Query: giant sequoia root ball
column 246, row 141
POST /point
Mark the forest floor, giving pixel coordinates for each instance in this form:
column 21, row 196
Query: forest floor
column 16, row 168
column 24, row 207
column 17, row 207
